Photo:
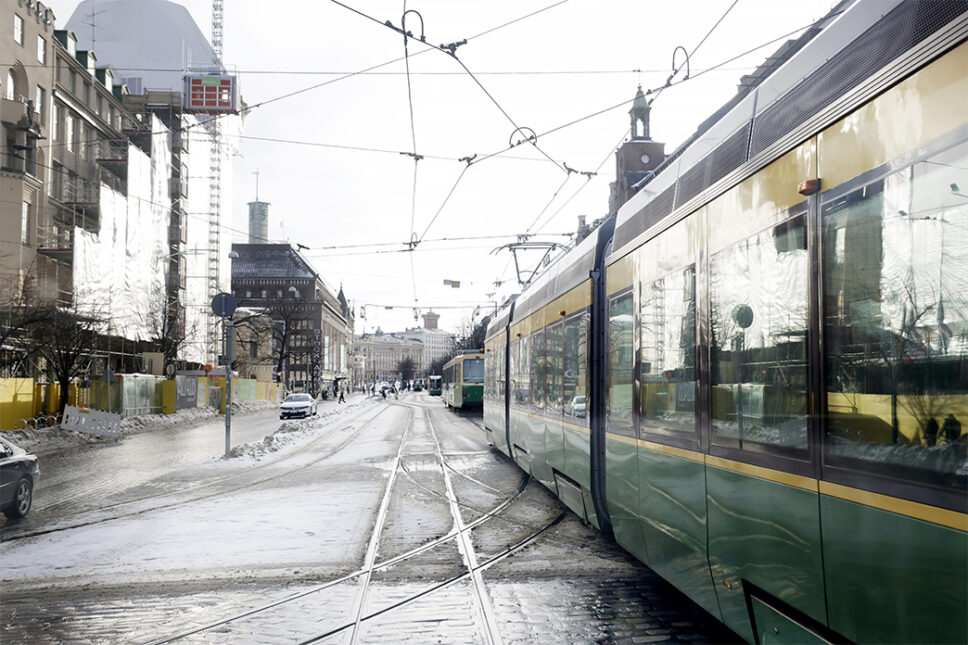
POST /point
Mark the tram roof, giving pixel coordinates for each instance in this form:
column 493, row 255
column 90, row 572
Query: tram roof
column 772, row 105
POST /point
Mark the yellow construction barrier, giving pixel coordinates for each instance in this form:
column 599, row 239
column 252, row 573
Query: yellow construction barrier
column 17, row 401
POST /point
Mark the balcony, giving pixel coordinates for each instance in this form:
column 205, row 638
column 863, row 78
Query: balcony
column 56, row 242
column 18, row 114
column 113, row 157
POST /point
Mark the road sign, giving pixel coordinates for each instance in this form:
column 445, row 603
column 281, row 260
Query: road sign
column 223, row 304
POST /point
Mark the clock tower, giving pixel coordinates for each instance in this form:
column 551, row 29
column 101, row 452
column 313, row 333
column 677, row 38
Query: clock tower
column 637, row 157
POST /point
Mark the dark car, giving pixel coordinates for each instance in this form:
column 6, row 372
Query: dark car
column 18, row 476
column 297, row 405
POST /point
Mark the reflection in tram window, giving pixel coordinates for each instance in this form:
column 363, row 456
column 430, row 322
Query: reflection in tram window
column 896, row 323
column 667, row 354
column 576, row 371
column 758, row 292
column 620, row 361
column 538, row 385
column 553, row 366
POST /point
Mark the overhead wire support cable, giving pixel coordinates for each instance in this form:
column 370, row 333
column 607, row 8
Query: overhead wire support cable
column 584, row 185
column 413, row 136
column 451, row 51
column 689, row 55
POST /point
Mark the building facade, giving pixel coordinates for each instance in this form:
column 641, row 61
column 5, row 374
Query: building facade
column 381, row 354
column 437, row 343
column 311, row 327
column 96, row 195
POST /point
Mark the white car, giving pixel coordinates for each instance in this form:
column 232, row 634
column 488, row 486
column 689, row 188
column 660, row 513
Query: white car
column 578, row 406
column 298, row 405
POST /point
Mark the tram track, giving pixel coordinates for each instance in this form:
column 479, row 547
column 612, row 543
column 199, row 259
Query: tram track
column 459, row 534
column 467, row 551
column 338, row 428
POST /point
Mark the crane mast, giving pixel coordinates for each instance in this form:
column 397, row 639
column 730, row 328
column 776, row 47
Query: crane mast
column 215, row 183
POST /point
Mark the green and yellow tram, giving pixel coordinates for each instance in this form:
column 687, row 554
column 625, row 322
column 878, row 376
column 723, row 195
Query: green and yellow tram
column 433, row 385
column 756, row 376
column 463, row 380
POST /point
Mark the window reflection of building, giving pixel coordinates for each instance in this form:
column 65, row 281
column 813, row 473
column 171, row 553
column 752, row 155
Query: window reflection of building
column 758, row 292
column 896, row 321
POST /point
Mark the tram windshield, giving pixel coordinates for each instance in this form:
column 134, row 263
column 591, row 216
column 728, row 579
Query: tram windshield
column 474, row 370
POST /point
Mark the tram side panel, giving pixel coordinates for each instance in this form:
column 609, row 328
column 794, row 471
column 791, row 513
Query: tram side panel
column 549, row 426
column 495, row 350
column 886, row 543
column 914, row 254
column 670, row 465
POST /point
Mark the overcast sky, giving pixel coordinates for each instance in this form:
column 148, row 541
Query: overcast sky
column 560, row 65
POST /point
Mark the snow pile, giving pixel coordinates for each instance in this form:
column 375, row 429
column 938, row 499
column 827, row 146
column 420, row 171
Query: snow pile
column 291, row 433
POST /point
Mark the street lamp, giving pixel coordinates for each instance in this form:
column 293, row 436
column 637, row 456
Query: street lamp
column 285, row 357
column 227, row 324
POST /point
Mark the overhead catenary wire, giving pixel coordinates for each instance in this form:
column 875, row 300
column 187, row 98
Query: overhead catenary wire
column 480, row 157
column 608, row 156
column 555, row 130
column 451, row 50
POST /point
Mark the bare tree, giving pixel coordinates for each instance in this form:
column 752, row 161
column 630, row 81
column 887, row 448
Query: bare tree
column 63, row 340
column 406, row 367
column 166, row 331
column 472, row 336
column 437, row 365
column 278, row 321
column 19, row 312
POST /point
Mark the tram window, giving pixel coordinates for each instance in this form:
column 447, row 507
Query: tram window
column 620, row 362
column 667, row 354
column 895, row 313
column 514, row 368
column 758, row 291
column 498, row 379
column 538, row 384
column 553, row 365
column 474, row 370
column 575, row 384
column 523, row 371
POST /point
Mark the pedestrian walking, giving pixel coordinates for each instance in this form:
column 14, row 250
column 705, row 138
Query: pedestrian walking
column 341, row 399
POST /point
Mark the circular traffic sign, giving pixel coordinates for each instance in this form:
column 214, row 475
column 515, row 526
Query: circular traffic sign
column 223, row 304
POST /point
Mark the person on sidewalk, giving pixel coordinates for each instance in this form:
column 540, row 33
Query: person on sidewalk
column 341, row 399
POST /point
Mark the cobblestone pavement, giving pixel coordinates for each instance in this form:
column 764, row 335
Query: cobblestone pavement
column 285, row 559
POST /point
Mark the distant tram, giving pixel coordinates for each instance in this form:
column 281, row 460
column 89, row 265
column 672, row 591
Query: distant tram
column 755, row 377
column 463, row 381
column 433, row 385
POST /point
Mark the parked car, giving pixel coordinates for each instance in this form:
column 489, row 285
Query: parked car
column 18, row 476
column 297, row 405
column 578, row 406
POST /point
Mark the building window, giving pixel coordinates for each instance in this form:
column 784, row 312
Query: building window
column 9, row 92
column 87, row 94
column 18, row 29
column 100, row 104
column 41, row 50
column 69, row 132
column 55, row 124
column 72, row 81
column 248, row 294
column 85, row 150
column 39, row 100
column 25, row 224
column 264, row 294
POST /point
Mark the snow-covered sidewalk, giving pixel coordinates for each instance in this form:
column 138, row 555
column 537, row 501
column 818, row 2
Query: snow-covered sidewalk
column 54, row 439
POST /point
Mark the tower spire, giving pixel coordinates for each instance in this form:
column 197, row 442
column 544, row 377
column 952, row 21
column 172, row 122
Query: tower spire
column 640, row 114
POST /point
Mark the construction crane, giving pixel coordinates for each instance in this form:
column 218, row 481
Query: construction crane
column 215, row 182
column 217, row 16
